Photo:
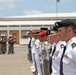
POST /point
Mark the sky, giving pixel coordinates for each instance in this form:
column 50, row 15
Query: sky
column 31, row 7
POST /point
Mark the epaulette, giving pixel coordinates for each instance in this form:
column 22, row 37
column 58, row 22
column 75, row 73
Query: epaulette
column 73, row 45
column 62, row 46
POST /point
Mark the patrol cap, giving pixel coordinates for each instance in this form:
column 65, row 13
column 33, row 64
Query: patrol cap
column 53, row 28
column 65, row 23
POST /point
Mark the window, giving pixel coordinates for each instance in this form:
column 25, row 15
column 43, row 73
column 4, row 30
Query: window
column 3, row 26
column 24, row 34
column 14, row 26
column 4, row 33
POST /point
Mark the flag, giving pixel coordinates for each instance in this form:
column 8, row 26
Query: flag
column 58, row 0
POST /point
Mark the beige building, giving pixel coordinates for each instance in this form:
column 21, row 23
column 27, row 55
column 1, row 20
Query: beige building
column 19, row 25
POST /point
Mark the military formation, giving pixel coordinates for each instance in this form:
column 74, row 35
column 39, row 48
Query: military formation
column 53, row 52
column 3, row 44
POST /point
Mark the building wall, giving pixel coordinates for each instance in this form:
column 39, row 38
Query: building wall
column 19, row 25
column 19, row 31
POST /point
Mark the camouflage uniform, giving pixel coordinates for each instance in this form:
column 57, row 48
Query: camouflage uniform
column 11, row 45
column 3, row 44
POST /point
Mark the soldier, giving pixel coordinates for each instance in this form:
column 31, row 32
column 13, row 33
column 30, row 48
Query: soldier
column 33, row 68
column 49, row 39
column 0, row 46
column 11, row 44
column 43, row 52
column 36, row 53
column 66, row 31
column 57, row 48
column 29, row 47
column 3, row 43
column 47, row 47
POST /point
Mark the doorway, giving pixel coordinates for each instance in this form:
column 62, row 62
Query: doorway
column 15, row 35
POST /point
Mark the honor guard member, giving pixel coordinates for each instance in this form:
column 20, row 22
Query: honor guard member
column 47, row 47
column 49, row 39
column 43, row 52
column 41, row 47
column 11, row 45
column 3, row 43
column 66, row 30
column 56, row 51
column 48, row 42
column 29, row 47
column 36, row 54
column 33, row 68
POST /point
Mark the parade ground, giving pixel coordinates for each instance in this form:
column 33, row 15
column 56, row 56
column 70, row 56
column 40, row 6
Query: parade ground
column 17, row 63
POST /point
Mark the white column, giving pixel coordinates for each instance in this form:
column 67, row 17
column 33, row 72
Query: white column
column 31, row 27
column 7, row 31
column 19, row 33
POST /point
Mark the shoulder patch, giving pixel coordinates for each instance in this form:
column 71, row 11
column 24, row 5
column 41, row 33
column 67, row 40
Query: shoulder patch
column 62, row 45
column 73, row 45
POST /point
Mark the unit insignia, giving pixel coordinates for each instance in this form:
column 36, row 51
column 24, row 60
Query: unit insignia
column 62, row 45
column 73, row 45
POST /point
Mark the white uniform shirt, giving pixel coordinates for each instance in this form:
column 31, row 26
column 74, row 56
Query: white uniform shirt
column 42, row 46
column 37, row 46
column 69, row 59
column 29, row 40
column 47, row 48
column 52, row 48
column 56, row 58
column 32, row 44
column 32, row 41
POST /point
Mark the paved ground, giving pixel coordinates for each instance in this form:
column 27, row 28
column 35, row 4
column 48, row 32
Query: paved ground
column 16, row 64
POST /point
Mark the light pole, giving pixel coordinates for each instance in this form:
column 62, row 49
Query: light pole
column 57, row 8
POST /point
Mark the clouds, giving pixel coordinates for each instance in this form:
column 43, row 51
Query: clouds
column 52, row 6
column 30, row 7
column 31, row 12
column 7, row 3
column 11, row 5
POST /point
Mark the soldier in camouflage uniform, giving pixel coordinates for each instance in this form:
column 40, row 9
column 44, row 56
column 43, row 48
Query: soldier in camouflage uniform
column 3, row 43
column 11, row 45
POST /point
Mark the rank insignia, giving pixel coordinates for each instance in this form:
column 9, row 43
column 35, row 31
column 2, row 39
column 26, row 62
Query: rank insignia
column 73, row 45
column 62, row 46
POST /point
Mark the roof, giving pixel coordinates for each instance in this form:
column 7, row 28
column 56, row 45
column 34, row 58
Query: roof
column 40, row 19
column 47, row 16
column 27, row 22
